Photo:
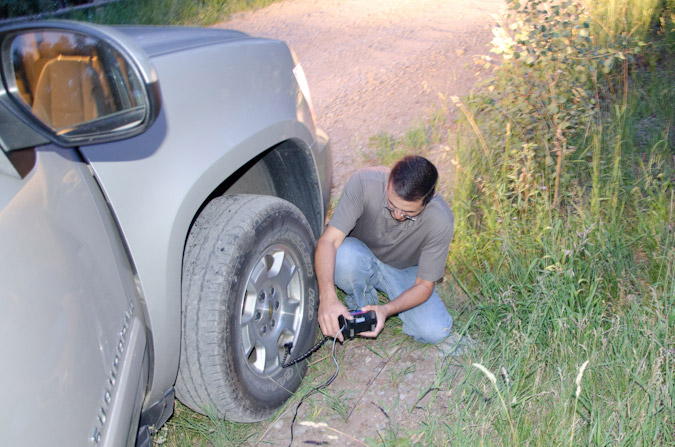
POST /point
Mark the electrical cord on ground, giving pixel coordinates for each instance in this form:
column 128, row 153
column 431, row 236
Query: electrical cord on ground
column 320, row 387
column 289, row 346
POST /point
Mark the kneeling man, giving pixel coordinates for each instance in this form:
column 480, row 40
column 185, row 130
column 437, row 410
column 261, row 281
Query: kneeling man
column 390, row 232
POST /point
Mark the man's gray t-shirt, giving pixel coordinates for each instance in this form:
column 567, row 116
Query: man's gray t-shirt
column 424, row 242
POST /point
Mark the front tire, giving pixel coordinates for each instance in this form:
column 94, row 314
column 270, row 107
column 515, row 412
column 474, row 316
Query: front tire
column 248, row 289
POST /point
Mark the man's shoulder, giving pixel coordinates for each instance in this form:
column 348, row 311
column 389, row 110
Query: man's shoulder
column 438, row 201
column 440, row 213
column 368, row 179
column 371, row 174
column 360, row 195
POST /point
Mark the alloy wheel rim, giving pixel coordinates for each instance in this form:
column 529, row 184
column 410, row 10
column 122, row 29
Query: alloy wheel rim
column 272, row 308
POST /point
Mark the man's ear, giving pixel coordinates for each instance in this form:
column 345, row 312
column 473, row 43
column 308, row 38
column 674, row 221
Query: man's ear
column 390, row 186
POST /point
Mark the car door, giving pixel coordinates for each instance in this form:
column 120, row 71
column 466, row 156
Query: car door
column 73, row 342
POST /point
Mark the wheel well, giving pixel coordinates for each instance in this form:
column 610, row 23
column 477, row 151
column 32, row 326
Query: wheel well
column 286, row 171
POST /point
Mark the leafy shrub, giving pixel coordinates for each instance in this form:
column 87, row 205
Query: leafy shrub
column 546, row 90
column 550, row 138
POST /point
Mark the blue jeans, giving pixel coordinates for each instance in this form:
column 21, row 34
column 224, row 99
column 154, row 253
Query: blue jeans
column 360, row 274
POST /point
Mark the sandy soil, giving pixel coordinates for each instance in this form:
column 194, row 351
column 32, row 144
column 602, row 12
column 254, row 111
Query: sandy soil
column 375, row 66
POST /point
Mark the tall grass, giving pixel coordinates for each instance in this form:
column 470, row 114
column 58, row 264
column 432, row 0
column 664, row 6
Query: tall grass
column 167, row 12
column 585, row 276
column 625, row 18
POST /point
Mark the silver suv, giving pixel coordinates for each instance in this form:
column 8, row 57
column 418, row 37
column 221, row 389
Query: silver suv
column 161, row 190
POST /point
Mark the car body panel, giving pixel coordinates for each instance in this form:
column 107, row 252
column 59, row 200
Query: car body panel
column 60, row 348
column 156, row 41
column 186, row 155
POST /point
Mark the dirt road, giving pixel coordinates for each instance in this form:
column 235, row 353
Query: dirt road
column 377, row 65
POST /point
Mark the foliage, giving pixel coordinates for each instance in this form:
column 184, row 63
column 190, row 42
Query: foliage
column 147, row 12
column 547, row 91
column 168, row 12
column 18, row 8
column 624, row 20
column 554, row 123
column 539, row 341
column 187, row 428
column 565, row 214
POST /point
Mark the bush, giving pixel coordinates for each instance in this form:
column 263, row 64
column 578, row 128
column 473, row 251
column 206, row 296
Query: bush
column 569, row 137
column 565, row 215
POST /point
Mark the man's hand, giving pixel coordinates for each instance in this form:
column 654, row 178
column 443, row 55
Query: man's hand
column 382, row 315
column 330, row 308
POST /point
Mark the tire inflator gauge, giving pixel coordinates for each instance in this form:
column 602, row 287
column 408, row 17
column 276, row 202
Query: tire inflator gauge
column 364, row 321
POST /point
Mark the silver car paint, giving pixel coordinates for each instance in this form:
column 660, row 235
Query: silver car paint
column 156, row 182
column 63, row 352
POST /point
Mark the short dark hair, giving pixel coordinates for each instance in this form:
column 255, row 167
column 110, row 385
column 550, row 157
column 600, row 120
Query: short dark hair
column 414, row 178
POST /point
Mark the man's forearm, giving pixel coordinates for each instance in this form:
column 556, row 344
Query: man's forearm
column 414, row 296
column 324, row 264
column 330, row 307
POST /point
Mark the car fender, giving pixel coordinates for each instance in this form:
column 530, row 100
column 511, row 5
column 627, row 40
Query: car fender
column 156, row 182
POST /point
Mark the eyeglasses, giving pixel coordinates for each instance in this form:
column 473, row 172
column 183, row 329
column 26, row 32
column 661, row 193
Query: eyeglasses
column 394, row 211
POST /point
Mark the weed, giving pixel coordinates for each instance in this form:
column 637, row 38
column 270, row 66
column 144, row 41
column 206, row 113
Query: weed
column 388, row 149
column 186, row 428
column 416, row 138
column 397, row 375
column 338, row 402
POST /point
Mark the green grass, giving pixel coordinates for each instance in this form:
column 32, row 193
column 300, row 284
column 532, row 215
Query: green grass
column 167, row 12
column 389, row 148
column 588, row 278
column 544, row 317
column 187, row 428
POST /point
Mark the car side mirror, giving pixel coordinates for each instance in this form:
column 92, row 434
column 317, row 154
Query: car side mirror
column 77, row 83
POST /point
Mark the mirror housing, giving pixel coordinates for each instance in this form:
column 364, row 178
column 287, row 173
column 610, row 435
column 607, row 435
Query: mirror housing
column 73, row 84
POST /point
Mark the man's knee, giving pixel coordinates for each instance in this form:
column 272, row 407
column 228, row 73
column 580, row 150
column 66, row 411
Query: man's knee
column 430, row 329
column 432, row 334
column 352, row 259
